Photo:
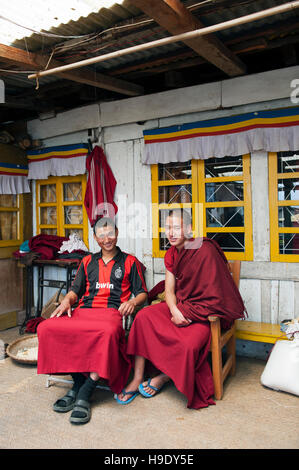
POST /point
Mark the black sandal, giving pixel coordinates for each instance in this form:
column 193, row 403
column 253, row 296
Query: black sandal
column 69, row 399
column 81, row 412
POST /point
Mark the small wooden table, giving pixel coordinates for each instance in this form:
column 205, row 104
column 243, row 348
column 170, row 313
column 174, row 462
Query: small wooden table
column 69, row 265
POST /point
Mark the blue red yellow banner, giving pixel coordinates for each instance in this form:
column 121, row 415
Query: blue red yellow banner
column 13, row 169
column 60, row 151
column 226, row 125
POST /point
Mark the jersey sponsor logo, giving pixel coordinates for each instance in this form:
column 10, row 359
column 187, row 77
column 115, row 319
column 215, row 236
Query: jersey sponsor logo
column 118, row 273
column 104, row 285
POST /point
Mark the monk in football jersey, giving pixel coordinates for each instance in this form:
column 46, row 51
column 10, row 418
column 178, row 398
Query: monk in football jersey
column 89, row 342
column 173, row 337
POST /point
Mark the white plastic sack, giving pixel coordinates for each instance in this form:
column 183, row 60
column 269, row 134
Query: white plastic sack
column 282, row 369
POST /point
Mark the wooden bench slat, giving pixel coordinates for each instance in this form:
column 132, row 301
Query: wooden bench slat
column 258, row 331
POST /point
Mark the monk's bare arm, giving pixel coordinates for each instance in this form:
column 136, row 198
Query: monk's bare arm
column 66, row 305
column 170, row 297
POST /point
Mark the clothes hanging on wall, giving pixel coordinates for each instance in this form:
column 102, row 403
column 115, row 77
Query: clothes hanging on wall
column 100, row 187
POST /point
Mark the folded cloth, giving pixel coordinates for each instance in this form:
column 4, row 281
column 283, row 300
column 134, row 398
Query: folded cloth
column 26, row 258
column 24, row 248
column 76, row 255
column 46, row 245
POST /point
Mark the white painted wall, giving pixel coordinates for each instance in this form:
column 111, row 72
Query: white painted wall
column 270, row 290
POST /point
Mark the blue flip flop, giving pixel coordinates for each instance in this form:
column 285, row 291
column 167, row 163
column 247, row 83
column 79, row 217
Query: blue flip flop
column 147, row 395
column 121, row 402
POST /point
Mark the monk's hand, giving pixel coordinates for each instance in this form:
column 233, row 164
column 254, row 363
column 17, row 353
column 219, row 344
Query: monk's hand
column 61, row 309
column 178, row 318
column 127, row 308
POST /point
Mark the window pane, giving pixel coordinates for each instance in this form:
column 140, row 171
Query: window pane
column 230, row 191
column 227, row 166
column 175, row 194
column 48, row 216
column 72, row 191
column 289, row 243
column 164, row 243
column 8, row 200
column 70, row 231
column 287, row 162
column 48, row 193
column 49, row 231
column 8, row 225
column 73, row 215
column 288, row 189
column 288, row 216
column 174, row 171
column 229, row 241
column 225, row 217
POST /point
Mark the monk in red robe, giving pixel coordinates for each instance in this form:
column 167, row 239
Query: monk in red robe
column 89, row 342
column 174, row 336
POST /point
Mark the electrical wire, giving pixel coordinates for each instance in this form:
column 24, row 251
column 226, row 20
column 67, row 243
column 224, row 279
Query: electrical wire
column 17, row 71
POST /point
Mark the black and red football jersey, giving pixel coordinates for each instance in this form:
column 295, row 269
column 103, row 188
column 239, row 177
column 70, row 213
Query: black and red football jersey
column 108, row 285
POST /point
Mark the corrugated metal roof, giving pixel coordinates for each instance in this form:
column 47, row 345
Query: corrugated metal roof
column 82, row 17
column 20, row 18
column 99, row 27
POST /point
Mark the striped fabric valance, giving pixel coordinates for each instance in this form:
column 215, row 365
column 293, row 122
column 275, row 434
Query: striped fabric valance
column 13, row 178
column 272, row 131
column 62, row 160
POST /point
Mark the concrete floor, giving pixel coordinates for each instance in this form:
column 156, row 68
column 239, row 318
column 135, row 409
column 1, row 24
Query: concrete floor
column 248, row 417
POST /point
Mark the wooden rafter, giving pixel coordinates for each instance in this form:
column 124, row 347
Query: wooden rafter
column 173, row 16
column 23, row 59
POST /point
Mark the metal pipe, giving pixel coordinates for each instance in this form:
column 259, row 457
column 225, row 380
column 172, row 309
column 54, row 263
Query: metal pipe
column 169, row 40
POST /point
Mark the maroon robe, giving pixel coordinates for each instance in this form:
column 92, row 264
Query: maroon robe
column 204, row 287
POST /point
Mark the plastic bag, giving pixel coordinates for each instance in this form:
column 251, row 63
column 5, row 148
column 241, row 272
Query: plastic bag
column 282, row 369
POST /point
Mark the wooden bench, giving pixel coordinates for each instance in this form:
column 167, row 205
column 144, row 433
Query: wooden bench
column 256, row 331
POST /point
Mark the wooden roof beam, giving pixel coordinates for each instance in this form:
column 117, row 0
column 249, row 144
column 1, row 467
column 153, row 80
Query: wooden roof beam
column 173, row 16
column 23, row 59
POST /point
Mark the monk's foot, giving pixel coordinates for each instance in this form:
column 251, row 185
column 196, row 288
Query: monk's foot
column 154, row 385
column 129, row 391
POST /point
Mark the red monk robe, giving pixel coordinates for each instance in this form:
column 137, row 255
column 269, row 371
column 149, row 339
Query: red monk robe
column 204, row 287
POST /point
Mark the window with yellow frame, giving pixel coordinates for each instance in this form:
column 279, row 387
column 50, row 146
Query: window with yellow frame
column 284, row 206
column 11, row 219
column 60, row 206
column 217, row 194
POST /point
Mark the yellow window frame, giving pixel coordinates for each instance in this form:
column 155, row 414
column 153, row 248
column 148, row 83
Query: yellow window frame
column 199, row 206
column 19, row 209
column 61, row 227
column 274, row 204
